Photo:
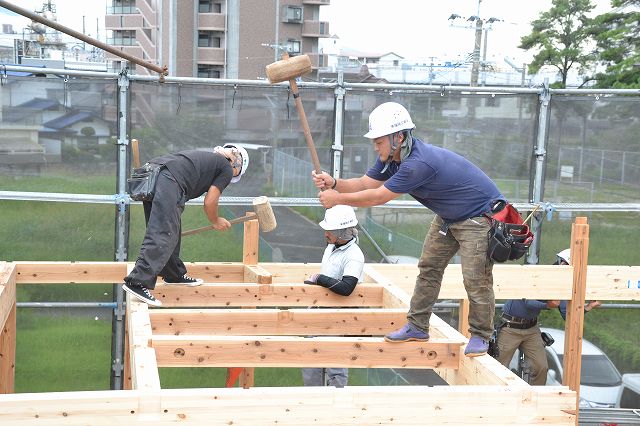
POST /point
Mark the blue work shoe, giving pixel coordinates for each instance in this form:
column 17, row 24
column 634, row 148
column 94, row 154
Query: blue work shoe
column 477, row 346
column 406, row 334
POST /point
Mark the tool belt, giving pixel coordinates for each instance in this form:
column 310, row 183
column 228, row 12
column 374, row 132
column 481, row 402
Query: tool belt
column 519, row 323
column 142, row 183
column 509, row 237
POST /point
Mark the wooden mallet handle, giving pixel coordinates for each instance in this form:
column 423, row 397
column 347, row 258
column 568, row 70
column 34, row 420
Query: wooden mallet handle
column 240, row 219
column 135, row 152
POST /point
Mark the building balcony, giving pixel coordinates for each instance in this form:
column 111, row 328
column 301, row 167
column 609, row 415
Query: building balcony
column 123, row 22
column 211, row 55
column 122, row 9
column 318, row 60
column 211, row 21
column 319, row 2
column 315, row 29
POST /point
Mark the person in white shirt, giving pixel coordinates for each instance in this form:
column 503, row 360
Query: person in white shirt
column 340, row 272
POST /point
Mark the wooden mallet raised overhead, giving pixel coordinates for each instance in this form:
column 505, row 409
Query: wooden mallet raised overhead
column 262, row 211
column 288, row 69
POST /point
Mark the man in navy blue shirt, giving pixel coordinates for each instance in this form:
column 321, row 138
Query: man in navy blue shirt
column 519, row 328
column 452, row 187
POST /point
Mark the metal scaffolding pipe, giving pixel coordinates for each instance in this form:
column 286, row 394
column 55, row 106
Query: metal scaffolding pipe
column 92, row 41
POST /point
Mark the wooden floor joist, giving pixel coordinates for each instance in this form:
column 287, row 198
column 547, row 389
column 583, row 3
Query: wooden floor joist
column 207, row 326
column 289, row 322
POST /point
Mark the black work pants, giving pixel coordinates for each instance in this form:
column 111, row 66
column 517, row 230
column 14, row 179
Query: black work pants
column 160, row 249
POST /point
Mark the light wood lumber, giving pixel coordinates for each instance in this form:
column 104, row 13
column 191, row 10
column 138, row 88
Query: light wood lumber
column 70, row 272
column 401, row 405
column 575, row 307
column 463, row 318
column 228, row 295
column 280, row 351
column 8, row 351
column 7, row 291
column 143, row 364
column 250, row 244
column 292, row 322
column 257, row 274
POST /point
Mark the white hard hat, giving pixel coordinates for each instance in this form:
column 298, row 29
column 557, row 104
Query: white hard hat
column 339, row 217
column 388, row 118
column 565, row 255
column 245, row 160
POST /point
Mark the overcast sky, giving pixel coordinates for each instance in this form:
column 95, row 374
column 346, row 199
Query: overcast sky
column 410, row 28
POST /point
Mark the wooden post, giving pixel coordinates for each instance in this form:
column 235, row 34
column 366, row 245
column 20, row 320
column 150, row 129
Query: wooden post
column 250, row 252
column 575, row 307
column 251, row 242
column 463, row 318
column 8, row 353
column 7, row 327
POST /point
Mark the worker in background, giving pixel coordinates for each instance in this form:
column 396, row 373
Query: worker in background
column 518, row 329
column 340, row 272
column 185, row 175
column 461, row 195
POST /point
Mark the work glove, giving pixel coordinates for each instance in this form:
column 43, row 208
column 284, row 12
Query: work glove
column 312, row 279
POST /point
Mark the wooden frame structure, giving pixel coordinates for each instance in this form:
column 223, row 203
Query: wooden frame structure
column 217, row 324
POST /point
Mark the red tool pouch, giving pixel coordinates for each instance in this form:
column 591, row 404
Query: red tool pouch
column 509, row 237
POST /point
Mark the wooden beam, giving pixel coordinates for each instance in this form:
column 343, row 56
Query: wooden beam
column 142, row 357
column 261, row 322
column 8, row 352
column 7, row 291
column 463, row 318
column 575, row 306
column 534, row 281
column 290, row 272
column 70, row 272
column 7, row 327
column 352, row 405
column 257, row 274
column 250, row 245
column 276, row 351
column 229, row 295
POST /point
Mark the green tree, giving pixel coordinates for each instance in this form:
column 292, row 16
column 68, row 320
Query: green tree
column 561, row 36
column 617, row 36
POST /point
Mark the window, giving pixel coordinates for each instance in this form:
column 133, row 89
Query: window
column 205, row 6
column 208, row 39
column 292, row 14
column 217, row 8
column 209, row 71
column 294, row 46
column 122, row 38
column 492, row 101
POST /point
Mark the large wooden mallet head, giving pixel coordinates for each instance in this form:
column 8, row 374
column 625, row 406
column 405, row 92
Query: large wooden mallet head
column 288, row 69
column 261, row 210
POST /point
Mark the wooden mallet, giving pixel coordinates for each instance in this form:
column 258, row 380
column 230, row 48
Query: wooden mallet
column 288, row 69
column 262, row 211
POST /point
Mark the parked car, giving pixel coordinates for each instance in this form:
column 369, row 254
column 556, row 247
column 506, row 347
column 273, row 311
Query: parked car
column 629, row 395
column 600, row 380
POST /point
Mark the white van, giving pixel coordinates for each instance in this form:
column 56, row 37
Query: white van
column 600, row 381
column 629, row 395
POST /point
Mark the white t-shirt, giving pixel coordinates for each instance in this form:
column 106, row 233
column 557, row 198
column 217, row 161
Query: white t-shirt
column 345, row 260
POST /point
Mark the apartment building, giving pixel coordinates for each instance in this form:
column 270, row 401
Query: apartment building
column 214, row 38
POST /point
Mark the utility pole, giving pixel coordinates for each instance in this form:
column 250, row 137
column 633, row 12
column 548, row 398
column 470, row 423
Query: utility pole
column 475, row 68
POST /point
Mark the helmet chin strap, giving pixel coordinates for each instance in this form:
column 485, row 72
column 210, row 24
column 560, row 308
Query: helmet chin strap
column 393, row 143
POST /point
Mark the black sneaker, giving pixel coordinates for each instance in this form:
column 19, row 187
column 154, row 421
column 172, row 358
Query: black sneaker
column 185, row 279
column 141, row 293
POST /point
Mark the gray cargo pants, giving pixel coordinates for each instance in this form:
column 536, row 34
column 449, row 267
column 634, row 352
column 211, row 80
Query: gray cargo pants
column 160, row 250
column 335, row 376
column 470, row 238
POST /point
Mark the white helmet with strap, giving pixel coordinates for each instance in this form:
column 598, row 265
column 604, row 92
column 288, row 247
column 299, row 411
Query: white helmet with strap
column 388, row 118
column 565, row 255
column 339, row 217
column 245, row 160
